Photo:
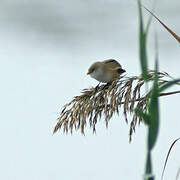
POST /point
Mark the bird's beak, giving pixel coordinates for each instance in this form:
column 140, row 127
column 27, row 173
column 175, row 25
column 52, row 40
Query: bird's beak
column 88, row 73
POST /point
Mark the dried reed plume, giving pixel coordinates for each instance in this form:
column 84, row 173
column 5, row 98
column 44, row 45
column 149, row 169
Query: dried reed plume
column 105, row 101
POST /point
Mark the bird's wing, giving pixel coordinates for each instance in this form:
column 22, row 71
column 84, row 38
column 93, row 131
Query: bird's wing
column 112, row 63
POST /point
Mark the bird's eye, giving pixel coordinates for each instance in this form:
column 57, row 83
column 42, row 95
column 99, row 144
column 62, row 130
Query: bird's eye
column 92, row 70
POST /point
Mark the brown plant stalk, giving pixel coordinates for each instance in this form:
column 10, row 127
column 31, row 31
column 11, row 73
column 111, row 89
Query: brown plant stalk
column 164, row 25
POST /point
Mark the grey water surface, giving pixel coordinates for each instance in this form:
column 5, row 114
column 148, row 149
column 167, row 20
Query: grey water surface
column 46, row 48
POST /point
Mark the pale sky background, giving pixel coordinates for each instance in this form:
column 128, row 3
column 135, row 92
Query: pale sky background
column 46, row 48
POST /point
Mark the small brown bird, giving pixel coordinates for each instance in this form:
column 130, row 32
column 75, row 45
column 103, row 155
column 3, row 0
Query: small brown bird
column 106, row 71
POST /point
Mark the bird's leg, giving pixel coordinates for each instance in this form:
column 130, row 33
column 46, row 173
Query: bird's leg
column 97, row 87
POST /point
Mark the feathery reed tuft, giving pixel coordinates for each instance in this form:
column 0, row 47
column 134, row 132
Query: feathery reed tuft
column 106, row 101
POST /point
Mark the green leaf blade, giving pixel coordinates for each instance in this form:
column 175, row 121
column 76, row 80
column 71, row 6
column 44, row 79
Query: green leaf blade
column 154, row 113
column 142, row 44
column 168, row 85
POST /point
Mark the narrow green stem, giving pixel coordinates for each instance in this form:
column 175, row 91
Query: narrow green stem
column 148, row 171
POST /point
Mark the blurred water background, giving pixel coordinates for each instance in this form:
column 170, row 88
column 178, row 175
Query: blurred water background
column 46, row 48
